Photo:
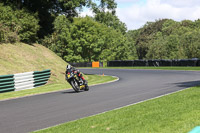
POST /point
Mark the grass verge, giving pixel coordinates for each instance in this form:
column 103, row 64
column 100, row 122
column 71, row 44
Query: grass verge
column 175, row 113
column 92, row 80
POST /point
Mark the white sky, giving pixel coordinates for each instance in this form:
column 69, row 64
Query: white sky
column 135, row 13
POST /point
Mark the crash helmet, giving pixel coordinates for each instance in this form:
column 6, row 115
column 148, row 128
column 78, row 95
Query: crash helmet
column 69, row 66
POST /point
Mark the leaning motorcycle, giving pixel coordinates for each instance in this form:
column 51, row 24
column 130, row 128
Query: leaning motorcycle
column 76, row 82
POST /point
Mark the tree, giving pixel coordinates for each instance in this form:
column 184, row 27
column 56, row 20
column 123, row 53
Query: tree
column 111, row 20
column 86, row 43
column 20, row 23
column 147, row 36
column 115, row 46
column 59, row 40
column 131, row 37
column 86, row 40
column 48, row 9
column 93, row 41
column 158, row 49
column 191, row 43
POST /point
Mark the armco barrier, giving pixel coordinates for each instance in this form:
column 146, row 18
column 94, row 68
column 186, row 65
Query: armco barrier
column 23, row 81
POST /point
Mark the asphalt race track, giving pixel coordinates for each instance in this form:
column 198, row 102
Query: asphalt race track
column 41, row 111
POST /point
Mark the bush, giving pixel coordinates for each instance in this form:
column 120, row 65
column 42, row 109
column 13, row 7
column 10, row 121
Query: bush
column 19, row 25
column 7, row 36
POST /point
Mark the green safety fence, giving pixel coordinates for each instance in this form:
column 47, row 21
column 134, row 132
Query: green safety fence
column 21, row 81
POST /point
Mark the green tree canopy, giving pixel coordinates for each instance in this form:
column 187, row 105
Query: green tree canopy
column 86, row 40
column 111, row 20
column 18, row 24
column 167, row 39
column 48, row 9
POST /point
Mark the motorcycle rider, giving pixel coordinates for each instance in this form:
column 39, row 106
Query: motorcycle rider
column 70, row 69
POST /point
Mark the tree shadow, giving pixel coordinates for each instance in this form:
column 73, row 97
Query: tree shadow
column 188, row 84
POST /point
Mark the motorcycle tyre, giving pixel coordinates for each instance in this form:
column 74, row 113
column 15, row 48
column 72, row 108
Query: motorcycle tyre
column 86, row 88
column 76, row 88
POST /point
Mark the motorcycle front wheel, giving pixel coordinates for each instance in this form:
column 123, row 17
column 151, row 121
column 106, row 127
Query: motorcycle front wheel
column 75, row 85
column 86, row 88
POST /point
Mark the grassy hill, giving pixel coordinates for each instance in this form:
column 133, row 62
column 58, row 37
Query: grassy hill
column 20, row 57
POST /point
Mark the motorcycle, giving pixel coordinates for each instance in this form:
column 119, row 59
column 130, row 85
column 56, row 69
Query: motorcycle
column 76, row 82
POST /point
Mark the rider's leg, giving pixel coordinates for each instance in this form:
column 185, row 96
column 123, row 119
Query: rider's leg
column 81, row 76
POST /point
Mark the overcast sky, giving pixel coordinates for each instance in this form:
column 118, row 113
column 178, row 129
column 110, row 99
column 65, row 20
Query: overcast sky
column 135, row 13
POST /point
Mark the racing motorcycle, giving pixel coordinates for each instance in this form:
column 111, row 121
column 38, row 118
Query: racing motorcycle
column 76, row 82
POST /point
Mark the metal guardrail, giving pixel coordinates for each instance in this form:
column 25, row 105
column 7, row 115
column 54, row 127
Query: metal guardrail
column 22, row 81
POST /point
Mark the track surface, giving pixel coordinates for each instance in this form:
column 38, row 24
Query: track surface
column 41, row 111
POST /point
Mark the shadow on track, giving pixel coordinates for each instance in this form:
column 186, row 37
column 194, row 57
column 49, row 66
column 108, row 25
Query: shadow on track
column 188, row 84
column 72, row 92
